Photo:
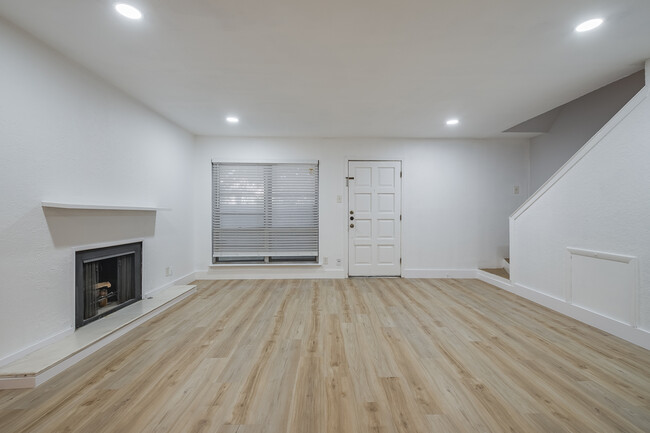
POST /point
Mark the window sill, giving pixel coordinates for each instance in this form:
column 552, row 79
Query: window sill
column 266, row 265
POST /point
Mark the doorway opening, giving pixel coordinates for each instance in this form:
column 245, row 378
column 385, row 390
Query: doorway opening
column 374, row 218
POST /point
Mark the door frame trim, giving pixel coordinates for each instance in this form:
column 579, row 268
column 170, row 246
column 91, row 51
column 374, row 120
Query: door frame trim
column 347, row 209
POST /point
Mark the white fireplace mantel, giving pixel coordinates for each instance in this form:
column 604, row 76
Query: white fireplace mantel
column 79, row 206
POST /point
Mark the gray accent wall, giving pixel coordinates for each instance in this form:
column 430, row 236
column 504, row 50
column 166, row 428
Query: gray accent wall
column 575, row 124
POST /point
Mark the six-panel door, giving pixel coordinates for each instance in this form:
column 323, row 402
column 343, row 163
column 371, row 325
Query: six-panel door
column 374, row 207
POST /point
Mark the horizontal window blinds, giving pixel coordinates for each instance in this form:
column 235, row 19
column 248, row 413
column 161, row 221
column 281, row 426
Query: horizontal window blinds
column 264, row 210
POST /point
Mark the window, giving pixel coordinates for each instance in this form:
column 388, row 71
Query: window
column 264, row 212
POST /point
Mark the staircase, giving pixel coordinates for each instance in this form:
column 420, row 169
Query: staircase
column 503, row 272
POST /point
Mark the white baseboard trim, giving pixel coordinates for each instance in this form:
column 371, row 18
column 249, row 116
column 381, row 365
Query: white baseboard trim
column 283, row 273
column 495, row 280
column 438, row 273
column 629, row 333
column 34, row 347
column 182, row 281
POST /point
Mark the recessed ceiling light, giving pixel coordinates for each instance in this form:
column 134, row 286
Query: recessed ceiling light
column 453, row 122
column 232, row 119
column 128, row 11
column 589, row 25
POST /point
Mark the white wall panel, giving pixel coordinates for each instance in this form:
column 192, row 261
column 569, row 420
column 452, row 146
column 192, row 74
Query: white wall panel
column 606, row 287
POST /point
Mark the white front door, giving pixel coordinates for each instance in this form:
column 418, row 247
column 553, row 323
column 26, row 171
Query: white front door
column 374, row 208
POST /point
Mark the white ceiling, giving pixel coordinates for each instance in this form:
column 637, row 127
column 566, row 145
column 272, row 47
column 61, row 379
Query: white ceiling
column 355, row 68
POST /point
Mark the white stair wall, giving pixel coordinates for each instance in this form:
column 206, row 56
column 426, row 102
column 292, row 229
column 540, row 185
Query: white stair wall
column 597, row 204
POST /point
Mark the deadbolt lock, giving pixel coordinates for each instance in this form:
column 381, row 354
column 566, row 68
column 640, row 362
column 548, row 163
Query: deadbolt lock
column 351, row 218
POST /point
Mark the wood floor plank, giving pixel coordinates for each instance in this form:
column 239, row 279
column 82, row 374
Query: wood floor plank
column 382, row 355
column 307, row 414
column 404, row 410
column 414, row 375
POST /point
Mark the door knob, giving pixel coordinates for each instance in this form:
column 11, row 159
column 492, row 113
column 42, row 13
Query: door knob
column 351, row 226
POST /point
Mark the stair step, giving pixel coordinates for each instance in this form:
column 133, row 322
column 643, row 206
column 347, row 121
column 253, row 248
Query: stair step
column 506, row 264
column 499, row 272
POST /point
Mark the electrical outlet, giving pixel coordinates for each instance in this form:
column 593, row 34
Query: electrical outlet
column 516, row 189
column 326, row 260
column 168, row 271
column 339, row 262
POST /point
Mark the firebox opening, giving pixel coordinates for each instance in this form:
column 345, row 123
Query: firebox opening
column 107, row 279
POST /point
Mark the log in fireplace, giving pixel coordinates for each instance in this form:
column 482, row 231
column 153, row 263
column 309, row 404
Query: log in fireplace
column 106, row 279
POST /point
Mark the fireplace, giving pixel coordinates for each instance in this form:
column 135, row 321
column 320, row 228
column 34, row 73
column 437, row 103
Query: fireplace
column 106, row 279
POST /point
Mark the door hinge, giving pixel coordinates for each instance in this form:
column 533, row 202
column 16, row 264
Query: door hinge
column 400, row 217
column 400, row 174
column 400, row 260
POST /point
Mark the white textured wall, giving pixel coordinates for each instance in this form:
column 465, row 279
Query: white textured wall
column 576, row 123
column 457, row 196
column 601, row 204
column 65, row 135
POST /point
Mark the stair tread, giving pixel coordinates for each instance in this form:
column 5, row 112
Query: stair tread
column 499, row 272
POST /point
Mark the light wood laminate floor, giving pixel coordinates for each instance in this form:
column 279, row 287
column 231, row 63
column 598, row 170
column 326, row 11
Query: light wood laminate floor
column 357, row 355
